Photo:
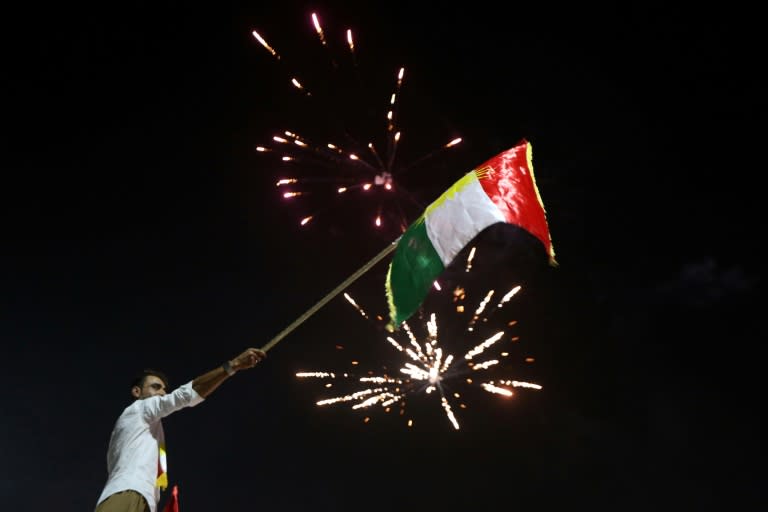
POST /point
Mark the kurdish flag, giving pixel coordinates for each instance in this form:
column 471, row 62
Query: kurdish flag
column 502, row 189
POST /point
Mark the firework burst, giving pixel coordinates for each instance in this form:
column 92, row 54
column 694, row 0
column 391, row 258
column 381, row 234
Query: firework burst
column 426, row 367
column 362, row 165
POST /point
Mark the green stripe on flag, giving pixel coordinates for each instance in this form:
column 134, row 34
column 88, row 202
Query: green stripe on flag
column 413, row 269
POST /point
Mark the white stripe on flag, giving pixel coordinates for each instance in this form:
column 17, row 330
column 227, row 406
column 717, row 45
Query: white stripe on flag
column 458, row 219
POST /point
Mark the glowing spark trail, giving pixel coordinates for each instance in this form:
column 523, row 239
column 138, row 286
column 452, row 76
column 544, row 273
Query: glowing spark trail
column 318, row 29
column 354, row 304
column 265, row 44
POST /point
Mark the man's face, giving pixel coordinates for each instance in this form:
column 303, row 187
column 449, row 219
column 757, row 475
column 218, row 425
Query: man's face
column 152, row 386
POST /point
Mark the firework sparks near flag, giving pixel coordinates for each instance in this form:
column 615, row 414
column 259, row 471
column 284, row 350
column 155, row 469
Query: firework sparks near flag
column 319, row 174
column 427, row 368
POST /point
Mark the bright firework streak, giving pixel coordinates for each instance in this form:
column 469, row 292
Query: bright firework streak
column 426, row 368
column 357, row 168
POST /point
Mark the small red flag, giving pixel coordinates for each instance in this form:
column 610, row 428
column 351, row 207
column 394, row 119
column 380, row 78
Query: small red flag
column 173, row 501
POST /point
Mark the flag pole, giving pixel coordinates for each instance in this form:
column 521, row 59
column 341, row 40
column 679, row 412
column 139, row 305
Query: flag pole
column 322, row 302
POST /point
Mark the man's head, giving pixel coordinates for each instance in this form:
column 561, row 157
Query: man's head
column 149, row 383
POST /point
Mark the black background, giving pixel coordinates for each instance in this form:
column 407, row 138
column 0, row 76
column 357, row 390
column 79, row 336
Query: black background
column 141, row 229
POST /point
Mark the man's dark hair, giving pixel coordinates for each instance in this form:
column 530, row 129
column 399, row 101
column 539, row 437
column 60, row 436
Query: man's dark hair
column 138, row 380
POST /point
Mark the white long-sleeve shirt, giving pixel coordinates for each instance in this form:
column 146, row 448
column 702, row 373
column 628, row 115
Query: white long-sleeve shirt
column 132, row 458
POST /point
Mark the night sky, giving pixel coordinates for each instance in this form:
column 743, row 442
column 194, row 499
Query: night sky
column 142, row 229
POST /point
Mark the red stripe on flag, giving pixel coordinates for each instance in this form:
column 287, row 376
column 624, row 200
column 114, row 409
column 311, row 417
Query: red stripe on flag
column 173, row 501
column 509, row 183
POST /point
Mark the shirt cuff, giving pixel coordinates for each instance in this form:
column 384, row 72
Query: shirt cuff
column 194, row 396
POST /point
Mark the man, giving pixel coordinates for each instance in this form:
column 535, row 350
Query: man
column 136, row 462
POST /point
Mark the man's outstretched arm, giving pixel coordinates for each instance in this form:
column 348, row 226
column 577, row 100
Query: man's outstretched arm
column 208, row 382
